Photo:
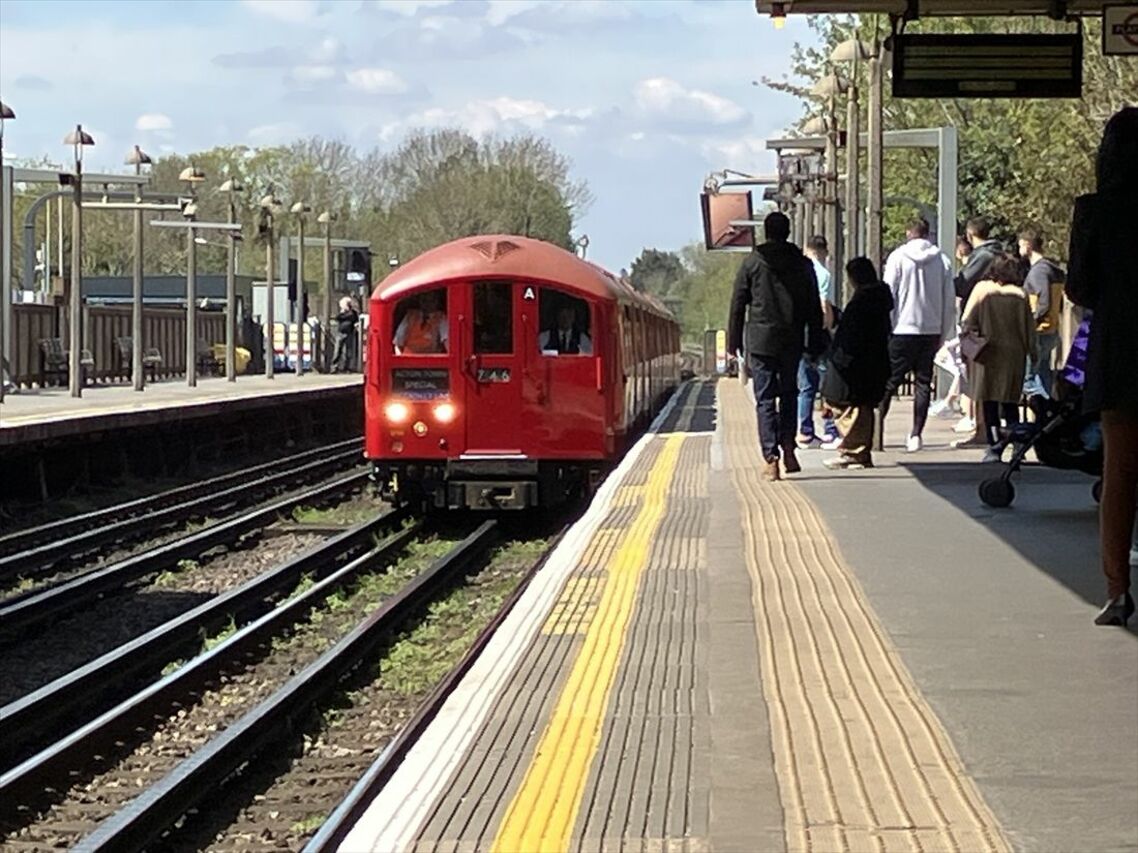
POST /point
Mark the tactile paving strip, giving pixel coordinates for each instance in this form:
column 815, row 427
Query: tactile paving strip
column 863, row 763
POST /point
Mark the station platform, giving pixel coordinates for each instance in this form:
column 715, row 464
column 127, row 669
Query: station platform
column 53, row 413
column 841, row 661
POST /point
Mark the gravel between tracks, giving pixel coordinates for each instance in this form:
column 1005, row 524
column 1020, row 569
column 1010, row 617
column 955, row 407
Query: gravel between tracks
column 191, row 725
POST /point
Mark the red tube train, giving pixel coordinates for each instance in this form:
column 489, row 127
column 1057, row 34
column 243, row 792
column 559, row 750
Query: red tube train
column 507, row 373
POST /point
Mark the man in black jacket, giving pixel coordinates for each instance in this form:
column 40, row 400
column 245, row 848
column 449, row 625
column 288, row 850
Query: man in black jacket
column 775, row 316
column 985, row 250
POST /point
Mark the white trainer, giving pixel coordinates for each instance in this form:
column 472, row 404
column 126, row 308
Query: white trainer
column 834, row 443
column 965, row 425
column 914, row 443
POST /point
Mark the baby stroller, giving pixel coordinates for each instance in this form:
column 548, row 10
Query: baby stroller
column 1062, row 435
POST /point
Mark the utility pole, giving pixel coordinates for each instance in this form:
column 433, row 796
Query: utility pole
column 137, row 157
column 229, row 187
column 876, row 164
column 191, row 307
column 6, row 112
column 326, row 219
column 300, row 209
column 78, row 138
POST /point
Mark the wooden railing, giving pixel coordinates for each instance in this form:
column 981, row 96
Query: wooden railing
column 162, row 328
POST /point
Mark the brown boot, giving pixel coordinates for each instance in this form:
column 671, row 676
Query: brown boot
column 790, row 460
column 770, row 471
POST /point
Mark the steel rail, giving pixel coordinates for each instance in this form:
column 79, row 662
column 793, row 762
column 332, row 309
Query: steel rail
column 25, row 721
column 158, row 807
column 45, row 555
column 26, row 785
column 340, row 822
column 21, row 540
column 34, row 609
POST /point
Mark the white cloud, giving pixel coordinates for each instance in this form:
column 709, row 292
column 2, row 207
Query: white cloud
column 376, row 81
column 274, row 134
column 153, row 121
column 306, row 75
column 290, row 11
column 663, row 98
column 488, row 116
column 409, row 8
column 329, row 50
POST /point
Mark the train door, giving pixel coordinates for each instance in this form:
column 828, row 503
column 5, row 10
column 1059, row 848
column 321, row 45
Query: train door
column 491, row 369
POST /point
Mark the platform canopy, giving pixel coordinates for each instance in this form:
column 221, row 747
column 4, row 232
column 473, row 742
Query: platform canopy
column 926, row 8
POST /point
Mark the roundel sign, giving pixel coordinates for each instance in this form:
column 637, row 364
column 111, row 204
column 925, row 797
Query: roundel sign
column 1120, row 29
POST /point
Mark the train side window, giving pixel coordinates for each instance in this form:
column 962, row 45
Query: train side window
column 565, row 328
column 421, row 323
column 493, row 318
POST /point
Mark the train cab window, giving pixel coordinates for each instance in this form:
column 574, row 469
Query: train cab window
column 565, row 325
column 493, row 318
column 421, row 323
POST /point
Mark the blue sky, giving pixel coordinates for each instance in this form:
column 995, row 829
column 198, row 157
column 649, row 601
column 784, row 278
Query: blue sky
column 646, row 97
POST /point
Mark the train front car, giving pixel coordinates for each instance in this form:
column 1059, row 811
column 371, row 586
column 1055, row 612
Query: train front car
column 496, row 375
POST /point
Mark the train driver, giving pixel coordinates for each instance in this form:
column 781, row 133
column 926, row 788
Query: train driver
column 566, row 338
column 423, row 330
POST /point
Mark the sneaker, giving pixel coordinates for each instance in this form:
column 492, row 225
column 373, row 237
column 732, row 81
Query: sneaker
column 973, row 440
column 834, row 443
column 914, row 443
column 945, row 410
column 993, row 455
column 964, row 425
column 847, row 463
column 806, row 442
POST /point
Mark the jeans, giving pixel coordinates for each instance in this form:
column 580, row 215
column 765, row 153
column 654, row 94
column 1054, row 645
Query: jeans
column 776, row 391
column 808, row 381
column 912, row 353
column 1041, row 366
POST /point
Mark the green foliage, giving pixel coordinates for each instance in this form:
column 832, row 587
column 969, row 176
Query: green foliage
column 701, row 293
column 436, row 186
column 1021, row 161
column 656, row 272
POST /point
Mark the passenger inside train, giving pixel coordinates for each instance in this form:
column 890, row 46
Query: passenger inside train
column 567, row 329
column 423, row 328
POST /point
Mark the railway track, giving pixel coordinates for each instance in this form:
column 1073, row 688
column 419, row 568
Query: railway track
column 39, row 549
column 31, row 609
column 225, row 706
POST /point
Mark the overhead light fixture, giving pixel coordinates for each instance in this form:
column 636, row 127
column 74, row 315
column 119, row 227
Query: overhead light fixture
column 778, row 15
column 137, row 157
column 191, row 175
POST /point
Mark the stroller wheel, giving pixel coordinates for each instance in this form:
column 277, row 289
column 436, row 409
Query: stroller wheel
column 1096, row 491
column 997, row 492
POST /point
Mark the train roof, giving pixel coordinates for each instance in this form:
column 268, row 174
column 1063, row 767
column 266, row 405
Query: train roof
column 508, row 255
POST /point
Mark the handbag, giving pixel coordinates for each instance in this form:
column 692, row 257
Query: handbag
column 972, row 346
column 834, row 389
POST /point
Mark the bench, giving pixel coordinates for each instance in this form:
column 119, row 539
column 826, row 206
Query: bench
column 151, row 359
column 55, row 361
column 208, row 365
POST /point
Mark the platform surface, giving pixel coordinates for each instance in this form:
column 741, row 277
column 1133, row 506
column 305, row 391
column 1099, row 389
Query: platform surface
column 855, row 661
column 53, row 412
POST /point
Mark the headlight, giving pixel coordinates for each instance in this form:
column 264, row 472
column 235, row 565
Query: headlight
column 420, row 429
column 445, row 412
column 397, row 413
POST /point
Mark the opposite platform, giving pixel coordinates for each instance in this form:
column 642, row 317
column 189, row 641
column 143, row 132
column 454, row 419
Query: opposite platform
column 699, row 667
column 53, row 413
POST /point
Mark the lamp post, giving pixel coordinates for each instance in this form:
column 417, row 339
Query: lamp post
column 876, row 164
column 230, row 187
column 828, row 89
column 191, row 176
column 137, row 158
column 6, row 112
column 77, row 139
column 326, row 219
column 852, row 51
column 300, row 209
column 270, row 204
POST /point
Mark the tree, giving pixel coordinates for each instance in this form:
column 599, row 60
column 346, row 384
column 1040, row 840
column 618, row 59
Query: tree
column 656, row 272
column 1021, row 161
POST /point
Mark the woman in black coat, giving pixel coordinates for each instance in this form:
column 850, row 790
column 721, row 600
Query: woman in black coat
column 858, row 365
column 1103, row 276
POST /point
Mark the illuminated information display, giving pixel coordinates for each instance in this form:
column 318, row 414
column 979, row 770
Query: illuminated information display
column 988, row 66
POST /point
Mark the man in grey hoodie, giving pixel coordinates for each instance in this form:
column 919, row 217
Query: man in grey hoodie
column 924, row 316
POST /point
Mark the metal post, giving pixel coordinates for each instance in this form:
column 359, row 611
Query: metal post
column 191, row 308
column 947, row 190
column 138, row 380
column 300, row 298
column 231, row 300
column 853, row 170
column 270, row 275
column 876, row 162
column 75, row 306
column 59, row 237
column 830, row 194
column 4, row 280
column 326, row 325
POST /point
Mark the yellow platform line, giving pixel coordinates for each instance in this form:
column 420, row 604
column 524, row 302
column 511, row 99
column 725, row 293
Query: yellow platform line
column 543, row 811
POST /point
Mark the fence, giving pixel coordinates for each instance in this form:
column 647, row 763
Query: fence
column 162, row 328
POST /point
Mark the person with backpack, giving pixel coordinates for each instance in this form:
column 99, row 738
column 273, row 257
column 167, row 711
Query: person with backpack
column 1043, row 285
